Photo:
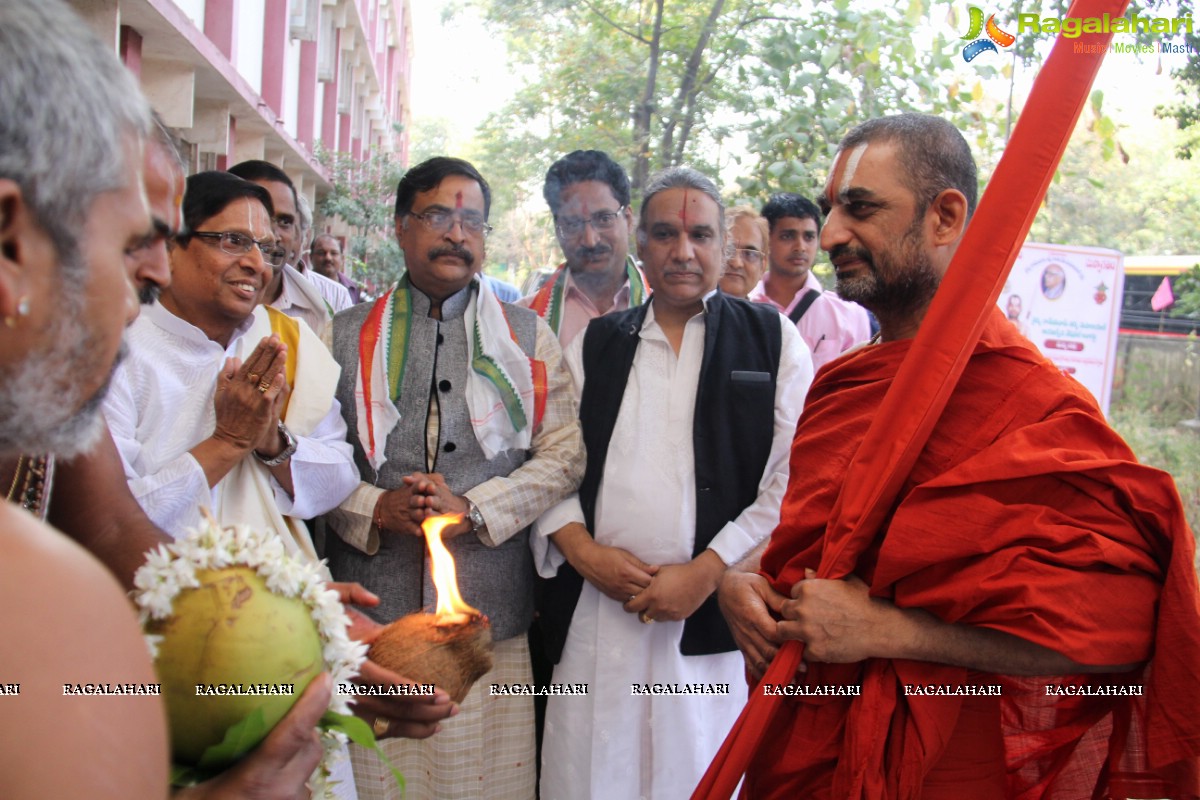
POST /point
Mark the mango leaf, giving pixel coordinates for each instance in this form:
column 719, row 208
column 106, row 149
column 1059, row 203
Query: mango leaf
column 239, row 740
column 360, row 733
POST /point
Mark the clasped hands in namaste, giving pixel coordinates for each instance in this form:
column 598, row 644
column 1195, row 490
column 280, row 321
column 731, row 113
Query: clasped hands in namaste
column 250, row 398
column 423, row 495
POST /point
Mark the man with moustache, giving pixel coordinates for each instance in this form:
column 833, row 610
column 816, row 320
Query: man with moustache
column 588, row 195
column 337, row 297
column 1022, row 503
column 457, row 403
column 688, row 406
column 328, row 261
column 828, row 324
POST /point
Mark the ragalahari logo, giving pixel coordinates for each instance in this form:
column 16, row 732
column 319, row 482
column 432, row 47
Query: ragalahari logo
column 978, row 44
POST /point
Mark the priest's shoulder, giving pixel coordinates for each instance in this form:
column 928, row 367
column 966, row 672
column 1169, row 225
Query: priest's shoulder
column 67, row 621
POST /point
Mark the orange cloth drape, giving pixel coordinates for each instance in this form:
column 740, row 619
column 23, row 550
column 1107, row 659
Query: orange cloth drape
column 1024, row 513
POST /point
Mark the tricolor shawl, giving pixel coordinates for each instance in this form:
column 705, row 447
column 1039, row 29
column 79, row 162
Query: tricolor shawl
column 548, row 302
column 506, row 389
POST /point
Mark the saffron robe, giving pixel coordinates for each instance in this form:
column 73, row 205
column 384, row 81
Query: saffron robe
column 1027, row 514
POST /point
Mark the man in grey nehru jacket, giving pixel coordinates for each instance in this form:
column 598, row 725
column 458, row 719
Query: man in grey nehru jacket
column 456, row 403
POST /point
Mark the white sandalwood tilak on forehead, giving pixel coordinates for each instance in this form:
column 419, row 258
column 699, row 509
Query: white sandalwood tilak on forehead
column 852, row 160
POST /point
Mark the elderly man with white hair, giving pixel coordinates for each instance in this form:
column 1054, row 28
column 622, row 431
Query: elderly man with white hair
column 688, row 406
column 74, row 229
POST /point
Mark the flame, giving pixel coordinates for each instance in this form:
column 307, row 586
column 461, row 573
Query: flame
column 445, row 578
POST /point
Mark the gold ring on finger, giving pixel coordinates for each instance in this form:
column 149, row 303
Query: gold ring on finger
column 381, row 725
column 645, row 618
column 263, row 386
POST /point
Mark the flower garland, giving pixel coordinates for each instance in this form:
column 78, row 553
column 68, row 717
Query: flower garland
column 170, row 569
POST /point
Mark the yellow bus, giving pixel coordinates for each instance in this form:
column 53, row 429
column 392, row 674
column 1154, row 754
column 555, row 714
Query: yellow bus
column 1143, row 276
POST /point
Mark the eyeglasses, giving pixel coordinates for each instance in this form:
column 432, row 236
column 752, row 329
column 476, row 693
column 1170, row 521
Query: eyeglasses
column 600, row 221
column 440, row 221
column 753, row 257
column 238, row 244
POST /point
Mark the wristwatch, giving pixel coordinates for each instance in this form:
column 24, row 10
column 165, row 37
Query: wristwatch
column 289, row 449
column 476, row 517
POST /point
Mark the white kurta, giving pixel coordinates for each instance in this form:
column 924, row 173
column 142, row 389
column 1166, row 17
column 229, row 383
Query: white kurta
column 301, row 299
column 336, row 295
column 611, row 743
column 160, row 405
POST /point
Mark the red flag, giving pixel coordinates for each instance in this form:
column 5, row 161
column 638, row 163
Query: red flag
column 1163, row 296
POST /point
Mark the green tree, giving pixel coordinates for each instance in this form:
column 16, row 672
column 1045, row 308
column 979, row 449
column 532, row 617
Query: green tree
column 1133, row 196
column 429, row 137
column 1185, row 112
column 662, row 82
column 846, row 64
column 364, row 197
column 643, row 81
column 1187, row 296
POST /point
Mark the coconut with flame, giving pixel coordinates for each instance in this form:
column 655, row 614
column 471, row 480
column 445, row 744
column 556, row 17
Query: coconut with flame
column 452, row 647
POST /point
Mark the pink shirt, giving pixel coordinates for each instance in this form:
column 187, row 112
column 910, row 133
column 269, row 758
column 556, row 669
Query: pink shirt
column 830, row 327
column 578, row 309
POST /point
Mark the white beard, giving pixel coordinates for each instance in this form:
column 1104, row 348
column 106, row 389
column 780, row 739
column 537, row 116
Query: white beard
column 42, row 409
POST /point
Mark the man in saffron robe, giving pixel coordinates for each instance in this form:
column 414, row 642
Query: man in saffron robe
column 1026, row 541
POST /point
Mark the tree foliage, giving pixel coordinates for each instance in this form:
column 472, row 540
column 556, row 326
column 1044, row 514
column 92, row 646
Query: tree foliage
column 657, row 83
column 646, row 81
column 364, row 197
column 760, row 91
column 1186, row 111
column 814, row 81
column 1136, row 199
column 1187, row 295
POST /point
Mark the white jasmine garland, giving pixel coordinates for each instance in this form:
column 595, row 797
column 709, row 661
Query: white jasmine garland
column 171, row 568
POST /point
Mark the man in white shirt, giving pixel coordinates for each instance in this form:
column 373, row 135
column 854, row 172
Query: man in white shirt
column 223, row 403
column 288, row 290
column 688, row 407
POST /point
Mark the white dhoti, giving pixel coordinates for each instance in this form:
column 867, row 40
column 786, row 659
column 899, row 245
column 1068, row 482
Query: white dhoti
column 486, row 751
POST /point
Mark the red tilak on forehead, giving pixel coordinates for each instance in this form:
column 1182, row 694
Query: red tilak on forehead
column 683, row 209
column 458, row 199
column 830, row 191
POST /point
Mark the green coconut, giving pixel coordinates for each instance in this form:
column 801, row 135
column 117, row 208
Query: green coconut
column 231, row 631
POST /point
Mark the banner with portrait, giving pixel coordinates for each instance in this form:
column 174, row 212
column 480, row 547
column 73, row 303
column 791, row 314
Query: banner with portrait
column 1067, row 301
